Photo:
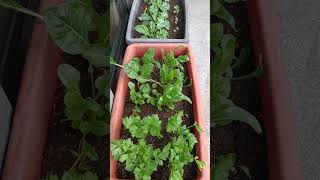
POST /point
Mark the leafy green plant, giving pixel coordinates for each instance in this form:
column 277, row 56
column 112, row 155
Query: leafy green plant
column 70, row 32
column 181, row 146
column 140, row 128
column 225, row 165
column 166, row 87
column 143, row 159
column 224, row 111
column 218, row 10
column 224, row 60
column 155, row 23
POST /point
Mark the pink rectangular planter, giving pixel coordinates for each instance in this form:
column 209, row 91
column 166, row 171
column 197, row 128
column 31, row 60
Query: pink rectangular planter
column 122, row 91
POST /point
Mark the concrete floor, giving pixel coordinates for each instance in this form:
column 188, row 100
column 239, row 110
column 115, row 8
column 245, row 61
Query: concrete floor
column 199, row 14
column 300, row 36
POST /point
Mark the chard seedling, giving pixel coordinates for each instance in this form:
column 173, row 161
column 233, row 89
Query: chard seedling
column 154, row 20
column 167, row 86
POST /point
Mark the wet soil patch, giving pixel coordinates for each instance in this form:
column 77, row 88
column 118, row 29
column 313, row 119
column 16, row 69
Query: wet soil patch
column 179, row 34
column 163, row 172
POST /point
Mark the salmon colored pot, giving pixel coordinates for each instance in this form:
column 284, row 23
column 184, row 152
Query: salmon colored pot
column 122, row 91
column 277, row 113
column 33, row 110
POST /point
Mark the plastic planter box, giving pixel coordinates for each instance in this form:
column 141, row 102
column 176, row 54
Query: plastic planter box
column 277, row 114
column 133, row 18
column 122, row 91
column 34, row 104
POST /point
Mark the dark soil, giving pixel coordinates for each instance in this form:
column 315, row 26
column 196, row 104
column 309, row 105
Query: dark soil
column 62, row 137
column 240, row 138
column 163, row 172
column 171, row 16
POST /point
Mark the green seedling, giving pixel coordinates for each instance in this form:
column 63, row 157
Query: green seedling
column 154, row 21
column 143, row 159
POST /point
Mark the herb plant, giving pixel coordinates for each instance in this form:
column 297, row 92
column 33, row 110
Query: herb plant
column 70, row 32
column 143, row 159
column 155, row 23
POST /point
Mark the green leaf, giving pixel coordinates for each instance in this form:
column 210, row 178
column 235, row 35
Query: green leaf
column 90, row 176
column 112, row 61
column 69, row 76
column 148, row 56
column 96, row 55
column 183, row 58
column 145, row 88
column 71, row 175
column 216, row 30
column 102, row 84
column 140, row 128
column 133, row 68
column 174, row 122
column 254, row 74
column 246, row 171
column 223, row 165
column 228, row 46
column 222, row 13
column 153, row 123
column 14, row 5
column 235, row 113
column 89, row 151
column 84, row 127
column 69, row 30
column 76, row 106
column 102, row 23
column 201, row 164
column 198, row 127
column 52, row 177
column 99, row 127
column 142, row 29
column 144, row 17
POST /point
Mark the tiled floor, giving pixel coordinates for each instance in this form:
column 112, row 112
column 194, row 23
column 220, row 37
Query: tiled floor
column 199, row 16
